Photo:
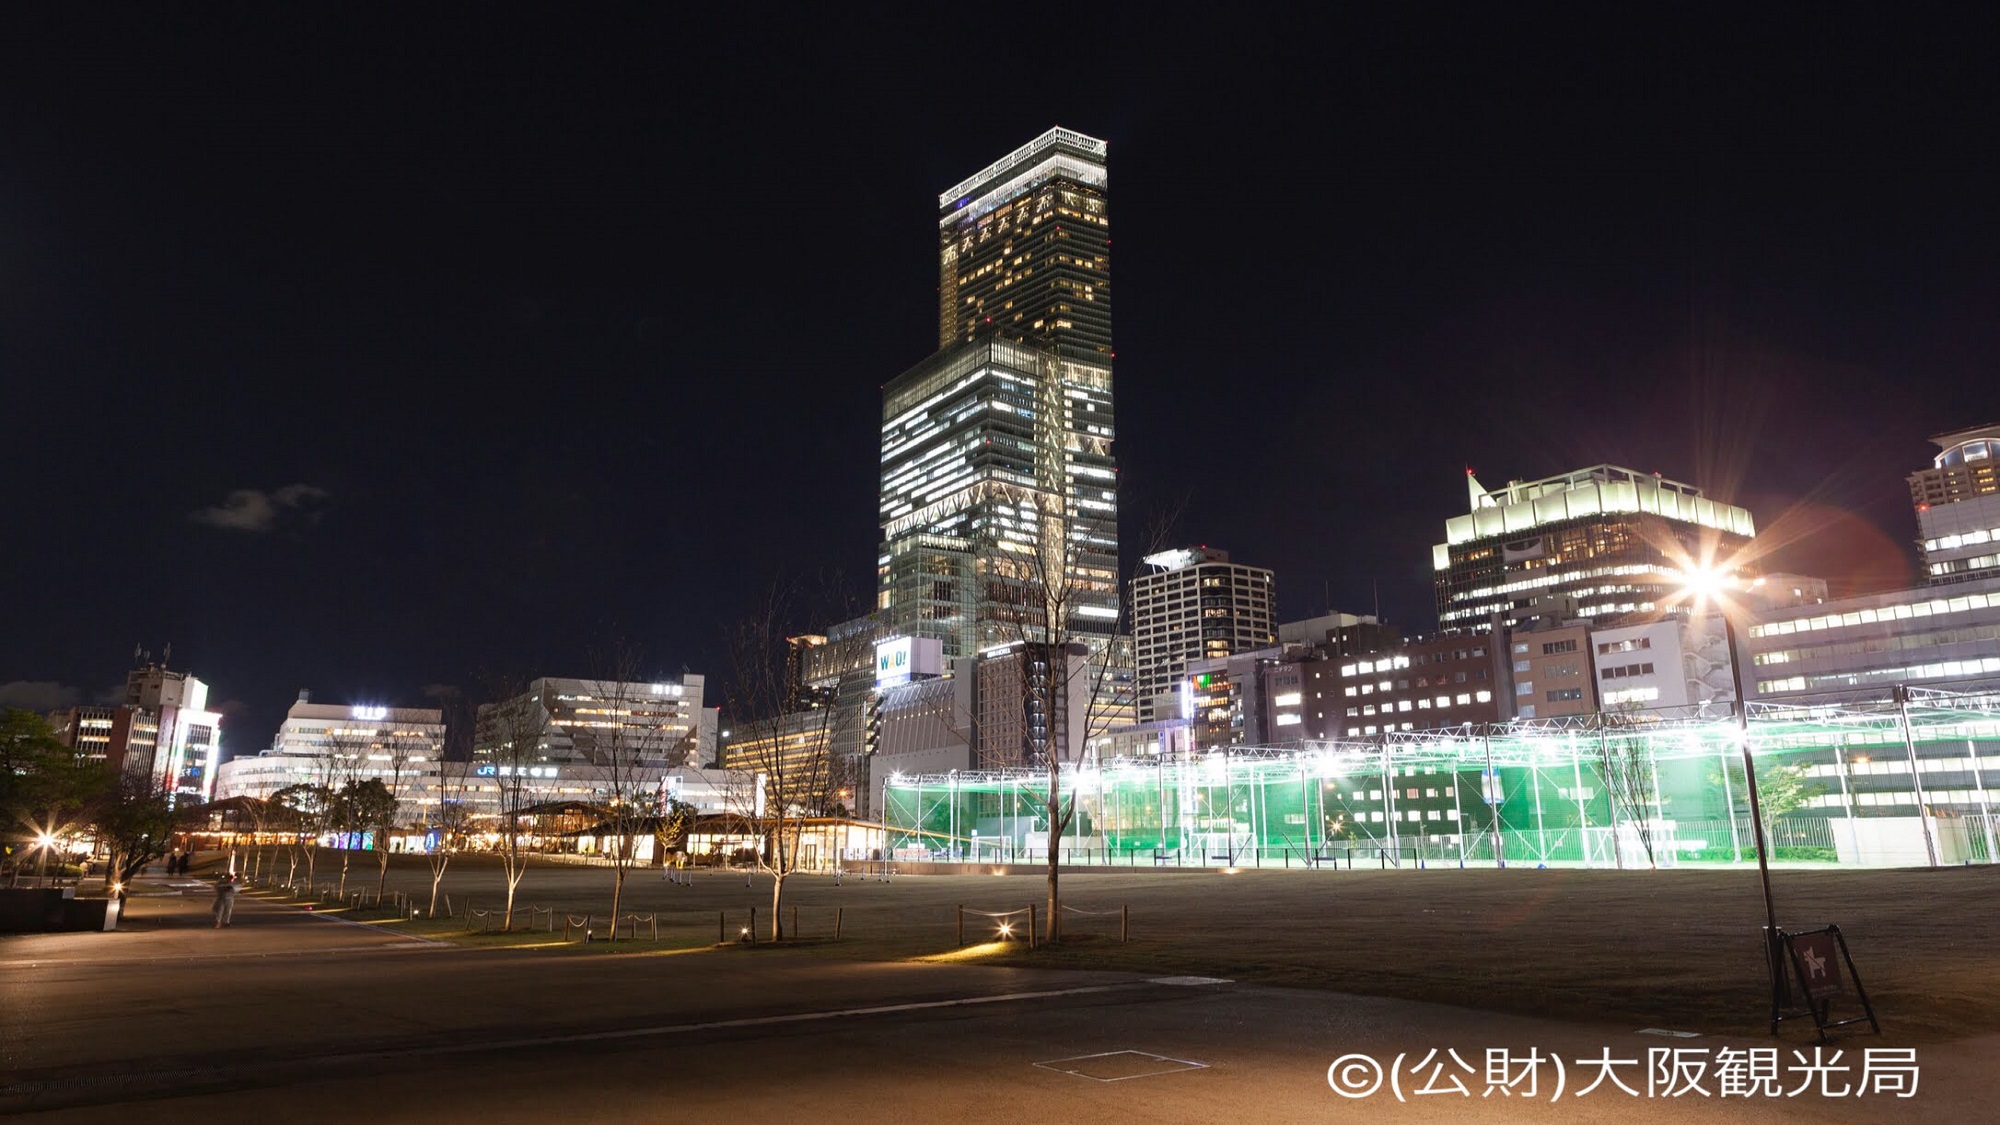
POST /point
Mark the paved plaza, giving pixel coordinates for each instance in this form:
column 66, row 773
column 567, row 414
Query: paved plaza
column 313, row 1018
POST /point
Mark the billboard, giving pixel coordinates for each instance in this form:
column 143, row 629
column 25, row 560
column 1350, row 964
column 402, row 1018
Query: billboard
column 898, row 660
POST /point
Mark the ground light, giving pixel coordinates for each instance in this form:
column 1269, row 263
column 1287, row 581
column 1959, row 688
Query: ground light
column 1006, row 930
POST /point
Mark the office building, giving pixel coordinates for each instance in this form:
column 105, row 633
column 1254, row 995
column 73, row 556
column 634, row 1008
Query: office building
column 1604, row 545
column 170, row 737
column 1340, row 634
column 1422, row 684
column 1194, row 604
column 1862, row 647
column 1957, row 502
column 1550, row 671
column 333, row 745
column 997, row 477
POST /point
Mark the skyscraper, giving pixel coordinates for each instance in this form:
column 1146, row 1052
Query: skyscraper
column 1025, row 249
column 1602, row 544
column 996, row 451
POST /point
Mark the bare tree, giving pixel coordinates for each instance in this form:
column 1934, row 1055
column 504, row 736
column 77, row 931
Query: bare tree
column 636, row 731
column 448, row 819
column 512, row 725
column 784, row 739
column 1630, row 783
column 1070, row 681
column 403, row 754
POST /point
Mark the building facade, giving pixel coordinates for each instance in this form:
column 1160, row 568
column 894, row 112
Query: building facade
column 1957, row 503
column 1603, row 545
column 333, row 745
column 997, row 477
column 1194, row 604
column 1942, row 636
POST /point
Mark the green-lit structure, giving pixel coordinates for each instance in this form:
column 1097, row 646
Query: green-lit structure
column 1610, row 791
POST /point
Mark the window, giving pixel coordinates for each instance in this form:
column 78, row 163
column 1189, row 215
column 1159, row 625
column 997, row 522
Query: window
column 1552, row 648
column 1565, row 695
column 1525, row 687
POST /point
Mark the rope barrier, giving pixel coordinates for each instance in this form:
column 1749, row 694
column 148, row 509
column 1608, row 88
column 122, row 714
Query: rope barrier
column 1123, row 914
column 1006, row 928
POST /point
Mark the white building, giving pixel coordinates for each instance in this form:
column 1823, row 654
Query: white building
column 1941, row 636
column 332, row 745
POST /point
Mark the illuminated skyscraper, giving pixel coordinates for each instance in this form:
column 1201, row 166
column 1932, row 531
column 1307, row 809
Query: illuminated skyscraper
column 996, row 451
column 1604, row 545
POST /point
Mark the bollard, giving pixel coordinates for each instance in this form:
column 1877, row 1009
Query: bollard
column 795, row 923
column 836, row 922
column 961, row 925
column 1031, row 925
column 753, row 923
column 721, row 927
column 1124, row 923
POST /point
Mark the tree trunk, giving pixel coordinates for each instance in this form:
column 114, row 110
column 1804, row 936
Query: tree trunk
column 437, row 876
column 777, row 898
column 1053, row 928
column 382, row 878
column 617, row 895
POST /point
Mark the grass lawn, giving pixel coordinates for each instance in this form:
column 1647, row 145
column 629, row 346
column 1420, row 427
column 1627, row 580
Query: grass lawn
column 1674, row 949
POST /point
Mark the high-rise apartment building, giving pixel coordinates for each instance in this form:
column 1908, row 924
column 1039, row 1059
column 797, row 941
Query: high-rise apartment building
column 1602, row 545
column 997, row 471
column 1958, row 506
column 1194, row 604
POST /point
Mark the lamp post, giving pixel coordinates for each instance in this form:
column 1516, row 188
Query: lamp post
column 1705, row 583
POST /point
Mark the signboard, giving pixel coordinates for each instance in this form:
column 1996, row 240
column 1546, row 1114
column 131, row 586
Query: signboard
column 898, row 660
column 1818, row 964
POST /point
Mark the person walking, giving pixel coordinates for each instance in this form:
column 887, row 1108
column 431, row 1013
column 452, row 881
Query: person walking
column 225, row 900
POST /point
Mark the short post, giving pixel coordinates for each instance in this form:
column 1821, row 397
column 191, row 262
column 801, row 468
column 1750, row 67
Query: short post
column 1124, row 923
column 795, row 922
column 836, row 922
column 753, row 923
column 1031, row 925
column 961, row 925
column 721, row 927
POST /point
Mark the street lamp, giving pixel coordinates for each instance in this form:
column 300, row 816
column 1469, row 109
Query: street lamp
column 1708, row 584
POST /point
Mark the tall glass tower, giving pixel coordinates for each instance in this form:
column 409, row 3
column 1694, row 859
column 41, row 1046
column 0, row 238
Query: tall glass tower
column 996, row 451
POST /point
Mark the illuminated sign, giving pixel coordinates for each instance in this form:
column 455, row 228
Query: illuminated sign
column 892, row 661
column 898, row 660
column 371, row 714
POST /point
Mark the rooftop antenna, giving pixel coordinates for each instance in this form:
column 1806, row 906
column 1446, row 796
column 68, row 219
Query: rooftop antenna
column 167, row 657
column 1376, row 583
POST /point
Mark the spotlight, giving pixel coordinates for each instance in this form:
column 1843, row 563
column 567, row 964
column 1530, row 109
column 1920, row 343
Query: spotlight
column 1006, row 930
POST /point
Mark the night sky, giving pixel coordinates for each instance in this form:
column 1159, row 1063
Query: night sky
column 363, row 350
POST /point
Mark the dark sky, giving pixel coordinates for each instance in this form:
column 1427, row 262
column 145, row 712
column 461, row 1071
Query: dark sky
column 510, row 332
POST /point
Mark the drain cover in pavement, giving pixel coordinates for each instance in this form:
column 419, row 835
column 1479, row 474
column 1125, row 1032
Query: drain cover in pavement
column 1117, row 1066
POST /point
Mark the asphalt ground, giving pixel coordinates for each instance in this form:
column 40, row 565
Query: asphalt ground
column 308, row 1018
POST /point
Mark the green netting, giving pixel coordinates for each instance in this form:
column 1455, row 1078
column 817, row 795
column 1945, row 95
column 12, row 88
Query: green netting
column 1603, row 793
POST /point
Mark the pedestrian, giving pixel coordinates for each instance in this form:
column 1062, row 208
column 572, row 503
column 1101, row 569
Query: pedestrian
column 225, row 900
column 173, row 861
